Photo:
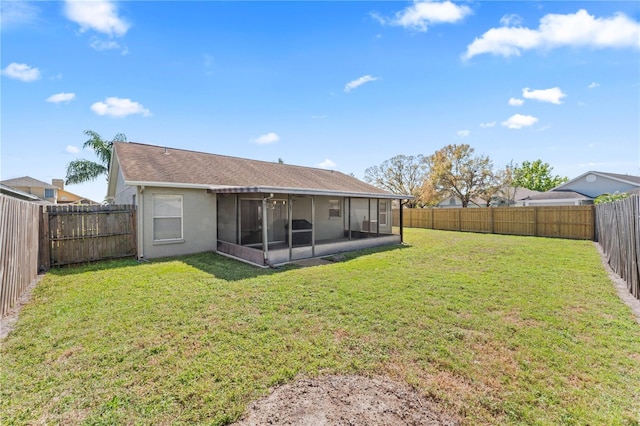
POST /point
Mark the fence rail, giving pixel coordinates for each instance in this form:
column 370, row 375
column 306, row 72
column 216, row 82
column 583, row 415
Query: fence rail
column 18, row 249
column 78, row 234
column 575, row 222
column 618, row 233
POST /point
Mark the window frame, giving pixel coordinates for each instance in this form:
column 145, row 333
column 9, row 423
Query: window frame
column 382, row 213
column 50, row 191
column 332, row 207
column 154, row 217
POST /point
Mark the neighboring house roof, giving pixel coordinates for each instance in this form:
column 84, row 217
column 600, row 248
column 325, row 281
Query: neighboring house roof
column 558, row 195
column 151, row 165
column 16, row 193
column 27, row 182
column 522, row 193
column 623, row 179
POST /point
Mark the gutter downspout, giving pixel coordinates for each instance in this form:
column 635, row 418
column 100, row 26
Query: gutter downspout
column 140, row 198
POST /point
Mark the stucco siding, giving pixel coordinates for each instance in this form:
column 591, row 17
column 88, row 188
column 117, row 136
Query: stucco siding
column 329, row 228
column 198, row 223
column 123, row 193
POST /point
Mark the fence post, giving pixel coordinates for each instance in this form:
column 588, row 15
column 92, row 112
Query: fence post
column 535, row 221
column 44, row 252
column 491, row 229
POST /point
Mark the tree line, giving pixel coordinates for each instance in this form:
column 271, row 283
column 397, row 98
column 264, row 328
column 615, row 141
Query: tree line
column 455, row 171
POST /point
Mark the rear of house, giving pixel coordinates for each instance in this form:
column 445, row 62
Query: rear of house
column 260, row 212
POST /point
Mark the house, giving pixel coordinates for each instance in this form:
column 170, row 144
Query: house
column 66, row 197
column 42, row 190
column 513, row 199
column 52, row 193
column 584, row 189
column 16, row 193
column 260, row 212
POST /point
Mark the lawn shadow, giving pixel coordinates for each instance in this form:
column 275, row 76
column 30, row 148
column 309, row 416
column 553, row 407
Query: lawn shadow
column 98, row 265
column 217, row 265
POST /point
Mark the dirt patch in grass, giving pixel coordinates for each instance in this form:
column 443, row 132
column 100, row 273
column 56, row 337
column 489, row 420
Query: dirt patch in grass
column 345, row 400
column 9, row 320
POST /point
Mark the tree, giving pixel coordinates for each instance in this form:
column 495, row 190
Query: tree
column 401, row 174
column 537, row 176
column 610, row 198
column 454, row 171
column 80, row 171
column 501, row 188
column 493, row 188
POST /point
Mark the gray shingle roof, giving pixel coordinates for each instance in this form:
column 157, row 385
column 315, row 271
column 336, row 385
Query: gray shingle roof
column 155, row 164
column 27, row 181
column 558, row 195
column 629, row 178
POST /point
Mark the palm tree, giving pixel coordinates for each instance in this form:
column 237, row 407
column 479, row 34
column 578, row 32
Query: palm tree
column 80, row 171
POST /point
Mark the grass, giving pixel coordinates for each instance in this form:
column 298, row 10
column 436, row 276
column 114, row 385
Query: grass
column 497, row 329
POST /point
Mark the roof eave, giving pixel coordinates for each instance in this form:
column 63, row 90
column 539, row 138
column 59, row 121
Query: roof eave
column 304, row 191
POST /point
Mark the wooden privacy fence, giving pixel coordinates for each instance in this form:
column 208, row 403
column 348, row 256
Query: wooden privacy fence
column 576, row 222
column 82, row 233
column 18, row 249
column 618, row 233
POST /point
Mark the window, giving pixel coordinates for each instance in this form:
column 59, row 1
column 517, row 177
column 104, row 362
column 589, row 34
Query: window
column 335, row 208
column 49, row 193
column 167, row 217
column 383, row 213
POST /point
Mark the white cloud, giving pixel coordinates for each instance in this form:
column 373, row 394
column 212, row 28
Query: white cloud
column 463, row 133
column 578, row 29
column 358, row 82
column 267, row 138
column 516, row 102
column 593, row 85
column 118, row 107
column 553, row 95
column 327, row 164
column 98, row 15
column 518, row 121
column 489, row 124
column 72, row 149
column 13, row 13
column 100, row 45
column 511, row 20
column 424, row 13
column 22, row 72
column 61, row 97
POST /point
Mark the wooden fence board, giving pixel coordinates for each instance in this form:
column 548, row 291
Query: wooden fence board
column 618, row 233
column 19, row 225
column 576, row 222
column 79, row 234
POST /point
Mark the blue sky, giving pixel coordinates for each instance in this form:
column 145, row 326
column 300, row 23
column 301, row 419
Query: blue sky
column 342, row 85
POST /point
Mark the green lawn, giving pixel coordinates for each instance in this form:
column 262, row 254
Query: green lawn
column 497, row 329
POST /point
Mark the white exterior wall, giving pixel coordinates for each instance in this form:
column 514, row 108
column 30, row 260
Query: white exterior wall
column 198, row 223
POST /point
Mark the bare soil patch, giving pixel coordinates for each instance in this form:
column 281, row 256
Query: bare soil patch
column 620, row 285
column 9, row 320
column 345, row 400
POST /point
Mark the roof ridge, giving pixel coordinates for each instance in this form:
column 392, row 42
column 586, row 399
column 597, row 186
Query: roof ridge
column 234, row 157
